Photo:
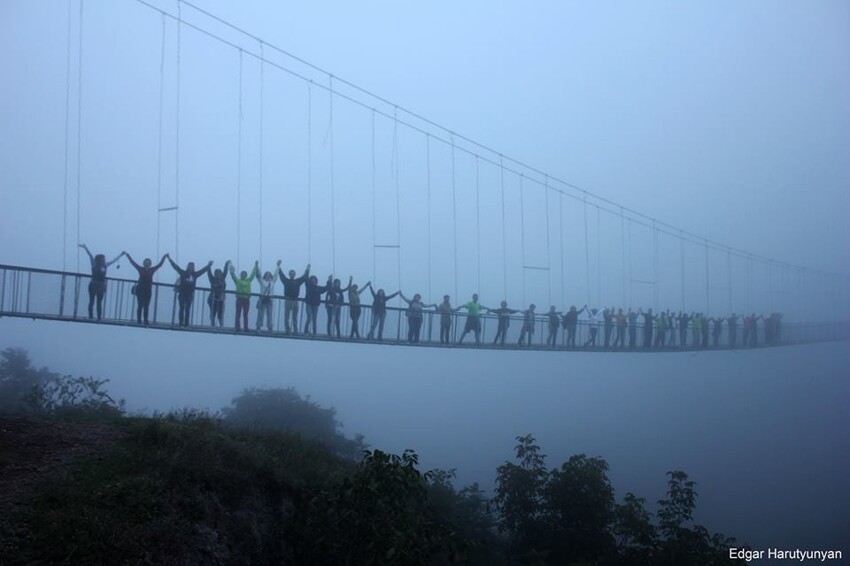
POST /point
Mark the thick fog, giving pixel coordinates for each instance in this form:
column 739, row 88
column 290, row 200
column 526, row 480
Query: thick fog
column 664, row 155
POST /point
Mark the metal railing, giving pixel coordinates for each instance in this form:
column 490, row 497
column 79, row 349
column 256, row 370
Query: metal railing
column 55, row 295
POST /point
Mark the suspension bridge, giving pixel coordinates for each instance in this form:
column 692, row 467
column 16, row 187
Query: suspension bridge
column 235, row 148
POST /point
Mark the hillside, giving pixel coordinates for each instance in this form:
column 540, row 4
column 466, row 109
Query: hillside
column 152, row 491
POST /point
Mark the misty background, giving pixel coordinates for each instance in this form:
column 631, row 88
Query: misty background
column 729, row 121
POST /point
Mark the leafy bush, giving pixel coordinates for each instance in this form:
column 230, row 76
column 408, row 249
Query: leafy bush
column 283, row 409
column 18, row 378
column 569, row 516
column 64, row 395
column 379, row 515
column 23, row 389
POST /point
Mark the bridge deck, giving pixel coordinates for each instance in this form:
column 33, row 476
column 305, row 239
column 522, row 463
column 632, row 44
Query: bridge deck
column 60, row 296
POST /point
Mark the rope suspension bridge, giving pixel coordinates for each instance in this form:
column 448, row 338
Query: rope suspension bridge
column 324, row 169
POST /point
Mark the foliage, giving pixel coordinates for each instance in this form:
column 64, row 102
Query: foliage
column 520, row 494
column 379, row 515
column 682, row 544
column 468, row 514
column 23, row 389
column 74, row 396
column 283, row 409
column 569, row 516
column 634, row 530
column 579, row 503
column 272, row 479
column 183, row 489
column 18, row 378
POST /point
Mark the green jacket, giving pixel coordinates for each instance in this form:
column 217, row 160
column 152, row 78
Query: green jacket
column 243, row 286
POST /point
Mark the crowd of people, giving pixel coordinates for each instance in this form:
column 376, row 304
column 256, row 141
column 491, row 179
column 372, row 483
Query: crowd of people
column 620, row 328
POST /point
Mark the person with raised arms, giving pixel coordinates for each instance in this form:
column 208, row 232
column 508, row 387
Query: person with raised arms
column 97, row 285
column 217, row 296
column 313, row 298
column 264, row 302
column 414, row 316
column 334, row 300
column 355, row 309
column 291, row 290
column 379, row 312
column 144, row 285
column 243, row 294
column 188, row 279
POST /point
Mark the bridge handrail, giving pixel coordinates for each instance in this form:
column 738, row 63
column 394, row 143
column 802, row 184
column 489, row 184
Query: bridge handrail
column 18, row 299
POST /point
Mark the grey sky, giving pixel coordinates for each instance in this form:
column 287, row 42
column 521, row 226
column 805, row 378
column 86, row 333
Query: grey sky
column 727, row 119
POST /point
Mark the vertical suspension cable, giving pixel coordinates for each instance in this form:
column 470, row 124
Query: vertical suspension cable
column 239, row 170
column 586, row 253
column 682, row 266
column 598, row 259
column 631, row 280
column 623, row 251
column 477, row 226
column 67, row 140
column 504, row 236
column 428, row 184
column 397, row 196
column 548, row 238
column 729, row 276
column 522, row 231
column 454, row 211
column 707, row 283
column 374, row 221
column 262, row 104
column 177, row 137
column 79, row 127
column 770, row 287
column 159, row 141
column 655, row 265
column 333, row 201
column 310, row 172
column 563, row 249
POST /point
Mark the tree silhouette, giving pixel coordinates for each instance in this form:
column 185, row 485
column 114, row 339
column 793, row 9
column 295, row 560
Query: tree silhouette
column 283, row 409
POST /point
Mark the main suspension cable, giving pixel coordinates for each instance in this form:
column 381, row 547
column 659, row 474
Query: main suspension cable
column 669, row 229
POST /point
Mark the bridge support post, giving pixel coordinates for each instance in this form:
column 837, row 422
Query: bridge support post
column 62, row 296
